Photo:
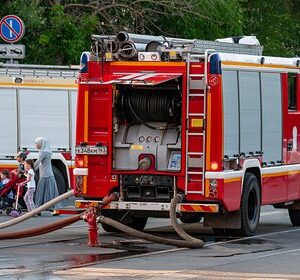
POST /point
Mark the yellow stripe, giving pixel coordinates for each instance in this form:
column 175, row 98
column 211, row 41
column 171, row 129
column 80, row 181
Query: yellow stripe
column 147, row 63
column 8, row 166
column 85, row 136
column 199, row 208
column 226, row 181
column 248, row 64
column 84, row 185
column 286, row 173
column 195, row 208
column 86, row 116
column 208, row 138
column 39, row 85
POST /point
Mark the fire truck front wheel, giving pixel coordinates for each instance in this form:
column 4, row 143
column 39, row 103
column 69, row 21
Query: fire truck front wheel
column 250, row 206
column 59, row 178
column 294, row 217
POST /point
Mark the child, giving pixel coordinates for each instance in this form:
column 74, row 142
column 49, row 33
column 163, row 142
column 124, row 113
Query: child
column 20, row 157
column 30, row 184
column 4, row 180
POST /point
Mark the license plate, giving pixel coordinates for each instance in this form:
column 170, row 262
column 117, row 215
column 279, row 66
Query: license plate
column 91, row 150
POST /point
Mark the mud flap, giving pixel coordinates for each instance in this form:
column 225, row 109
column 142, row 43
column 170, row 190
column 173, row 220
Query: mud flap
column 231, row 220
column 295, row 205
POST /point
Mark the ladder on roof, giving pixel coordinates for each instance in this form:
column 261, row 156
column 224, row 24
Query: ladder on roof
column 196, row 118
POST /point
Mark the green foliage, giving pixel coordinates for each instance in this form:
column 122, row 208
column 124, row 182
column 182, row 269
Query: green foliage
column 275, row 23
column 51, row 35
column 58, row 31
column 220, row 18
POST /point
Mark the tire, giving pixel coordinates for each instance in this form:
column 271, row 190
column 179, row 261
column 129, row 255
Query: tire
column 8, row 210
column 109, row 228
column 2, row 203
column 250, row 206
column 137, row 223
column 190, row 218
column 59, row 178
column 294, row 217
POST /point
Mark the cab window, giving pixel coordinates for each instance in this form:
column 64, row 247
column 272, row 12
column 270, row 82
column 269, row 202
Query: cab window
column 292, row 92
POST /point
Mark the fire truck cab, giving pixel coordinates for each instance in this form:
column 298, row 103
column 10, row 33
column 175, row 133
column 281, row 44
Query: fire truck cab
column 216, row 122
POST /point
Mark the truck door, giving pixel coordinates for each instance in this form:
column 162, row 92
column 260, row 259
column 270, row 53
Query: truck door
column 45, row 113
column 8, row 122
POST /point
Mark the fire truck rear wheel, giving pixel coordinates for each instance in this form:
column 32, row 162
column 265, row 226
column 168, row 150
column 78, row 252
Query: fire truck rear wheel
column 250, row 206
column 137, row 223
column 294, row 217
column 190, row 218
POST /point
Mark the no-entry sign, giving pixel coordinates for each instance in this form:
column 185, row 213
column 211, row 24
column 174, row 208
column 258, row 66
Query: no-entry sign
column 11, row 28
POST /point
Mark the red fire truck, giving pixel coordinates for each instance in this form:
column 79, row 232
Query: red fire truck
column 39, row 100
column 217, row 122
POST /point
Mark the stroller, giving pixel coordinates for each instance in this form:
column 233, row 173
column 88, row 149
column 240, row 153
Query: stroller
column 6, row 203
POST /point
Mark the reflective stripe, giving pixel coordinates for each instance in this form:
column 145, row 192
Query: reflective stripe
column 150, row 206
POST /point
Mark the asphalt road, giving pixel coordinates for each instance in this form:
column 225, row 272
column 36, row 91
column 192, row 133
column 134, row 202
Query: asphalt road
column 274, row 253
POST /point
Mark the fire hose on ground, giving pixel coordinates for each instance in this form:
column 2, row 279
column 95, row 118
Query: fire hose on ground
column 37, row 210
column 92, row 220
column 40, row 229
column 188, row 241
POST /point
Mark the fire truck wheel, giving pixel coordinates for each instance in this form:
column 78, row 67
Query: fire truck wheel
column 109, row 228
column 137, row 223
column 250, row 206
column 190, row 218
column 294, row 217
column 59, row 178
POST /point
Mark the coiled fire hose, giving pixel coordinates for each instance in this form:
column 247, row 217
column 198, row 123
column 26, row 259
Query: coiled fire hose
column 188, row 241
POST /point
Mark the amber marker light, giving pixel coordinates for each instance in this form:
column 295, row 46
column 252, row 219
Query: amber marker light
column 214, row 165
column 79, row 162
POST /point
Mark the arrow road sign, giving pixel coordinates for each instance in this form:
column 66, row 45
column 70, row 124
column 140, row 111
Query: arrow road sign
column 9, row 51
column 11, row 28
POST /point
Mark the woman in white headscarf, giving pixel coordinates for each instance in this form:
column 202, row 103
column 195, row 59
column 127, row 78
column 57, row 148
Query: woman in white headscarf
column 47, row 187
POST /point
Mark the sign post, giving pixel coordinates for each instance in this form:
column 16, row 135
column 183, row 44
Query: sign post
column 11, row 31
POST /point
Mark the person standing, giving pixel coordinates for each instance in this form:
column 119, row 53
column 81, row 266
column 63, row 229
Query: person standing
column 30, row 184
column 46, row 188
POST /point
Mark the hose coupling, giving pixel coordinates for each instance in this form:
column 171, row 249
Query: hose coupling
column 100, row 219
column 180, row 197
column 112, row 197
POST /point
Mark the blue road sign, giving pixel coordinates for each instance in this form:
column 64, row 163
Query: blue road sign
column 11, row 28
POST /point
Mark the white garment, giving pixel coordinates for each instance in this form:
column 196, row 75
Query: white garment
column 5, row 181
column 31, row 183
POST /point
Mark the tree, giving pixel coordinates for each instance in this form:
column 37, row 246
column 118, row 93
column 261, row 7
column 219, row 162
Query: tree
column 276, row 24
column 52, row 36
column 58, row 31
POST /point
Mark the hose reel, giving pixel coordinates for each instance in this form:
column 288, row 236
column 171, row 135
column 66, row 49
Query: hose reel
column 139, row 106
